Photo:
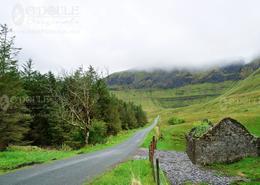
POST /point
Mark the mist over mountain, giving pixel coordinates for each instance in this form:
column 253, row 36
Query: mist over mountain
column 172, row 78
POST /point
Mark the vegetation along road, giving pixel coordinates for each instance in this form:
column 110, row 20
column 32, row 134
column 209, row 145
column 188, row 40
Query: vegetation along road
column 76, row 170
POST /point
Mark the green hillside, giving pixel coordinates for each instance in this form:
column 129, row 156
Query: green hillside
column 239, row 100
column 250, row 84
column 194, row 103
column 158, row 78
column 154, row 100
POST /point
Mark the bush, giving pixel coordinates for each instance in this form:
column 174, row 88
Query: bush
column 97, row 133
column 201, row 129
column 75, row 139
column 175, row 121
column 207, row 121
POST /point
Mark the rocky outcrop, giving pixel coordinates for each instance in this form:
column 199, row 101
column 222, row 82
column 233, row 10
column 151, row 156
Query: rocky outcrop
column 227, row 141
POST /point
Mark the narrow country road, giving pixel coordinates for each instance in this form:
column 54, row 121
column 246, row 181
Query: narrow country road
column 78, row 169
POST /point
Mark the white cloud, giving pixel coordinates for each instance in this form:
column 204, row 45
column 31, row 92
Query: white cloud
column 120, row 34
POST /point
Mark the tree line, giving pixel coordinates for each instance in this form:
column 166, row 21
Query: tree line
column 75, row 108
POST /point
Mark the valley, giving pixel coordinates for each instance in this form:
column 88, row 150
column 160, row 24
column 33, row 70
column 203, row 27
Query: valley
column 130, row 92
column 236, row 99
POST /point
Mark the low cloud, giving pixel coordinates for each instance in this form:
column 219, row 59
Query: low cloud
column 119, row 35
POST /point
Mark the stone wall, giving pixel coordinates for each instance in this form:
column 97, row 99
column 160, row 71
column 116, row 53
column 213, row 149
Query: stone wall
column 228, row 141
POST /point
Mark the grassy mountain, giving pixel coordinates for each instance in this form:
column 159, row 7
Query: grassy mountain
column 239, row 100
column 153, row 100
column 250, row 84
column 179, row 78
column 195, row 102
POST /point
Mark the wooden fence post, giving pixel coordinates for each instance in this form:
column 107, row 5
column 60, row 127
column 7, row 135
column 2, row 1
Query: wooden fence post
column 157, row 171
column 154, row 176
column 150, row 150
column 154, row 141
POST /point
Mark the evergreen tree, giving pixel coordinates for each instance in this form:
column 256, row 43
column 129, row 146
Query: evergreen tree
column 122, row 109
column 140, row 115
column 107, row 108
column 43, row 110
column 36, row 87
column 41, row 104
column 112, row 116
column 130, row 116
column 28, row 71
column 60, row 132
column 8, row 51
column 14, row 116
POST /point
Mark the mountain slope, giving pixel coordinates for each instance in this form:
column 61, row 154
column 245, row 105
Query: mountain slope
column 250, row 84
column 179, row 78
column 154, row 99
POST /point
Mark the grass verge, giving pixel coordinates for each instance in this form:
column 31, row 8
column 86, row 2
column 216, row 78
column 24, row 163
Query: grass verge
column 247, row 167
column 123, row 174
column 111, row 141
column 173, row 136
column 16, row 157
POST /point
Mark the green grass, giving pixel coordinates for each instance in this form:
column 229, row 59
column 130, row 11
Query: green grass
column 250, row 84
column 123, row 174
column 16, row 157
column 248, row 168
column 175, row 121
column 240, row 100
column 154, row 100
column 173, row 136
column 236, row 102
column 111, row 141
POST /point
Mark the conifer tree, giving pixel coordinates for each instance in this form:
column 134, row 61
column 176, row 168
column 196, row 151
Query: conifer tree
column 14, row 116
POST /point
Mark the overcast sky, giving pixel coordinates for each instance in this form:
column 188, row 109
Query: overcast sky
column 118, row 35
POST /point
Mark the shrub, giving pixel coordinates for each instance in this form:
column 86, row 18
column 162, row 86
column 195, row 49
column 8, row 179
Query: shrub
column 175, row 121
column 75, row 139
column 201, row 129
column 97, row 133
column 207, row 121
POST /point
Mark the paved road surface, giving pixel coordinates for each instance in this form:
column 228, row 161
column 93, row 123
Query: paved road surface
column 78, row 169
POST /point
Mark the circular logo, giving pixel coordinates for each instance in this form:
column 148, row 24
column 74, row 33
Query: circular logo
column 4, row 102
column 18, row 14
